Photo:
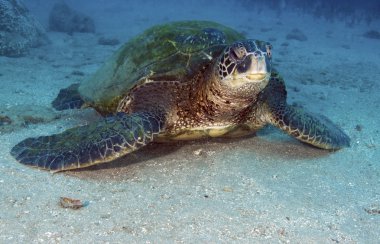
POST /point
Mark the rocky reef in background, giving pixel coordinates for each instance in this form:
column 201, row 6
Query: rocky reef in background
column 62, row 18
column 19, row 30
column 350, row 11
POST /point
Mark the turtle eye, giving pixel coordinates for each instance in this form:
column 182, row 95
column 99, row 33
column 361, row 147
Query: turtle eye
column 238, row 52
column 269, row 50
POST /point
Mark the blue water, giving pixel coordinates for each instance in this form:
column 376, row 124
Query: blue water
column 264, row 189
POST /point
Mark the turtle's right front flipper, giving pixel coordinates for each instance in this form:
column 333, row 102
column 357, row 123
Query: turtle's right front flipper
column 316, row 130
column 313, row 129
column 68, row 98
column 91, row 144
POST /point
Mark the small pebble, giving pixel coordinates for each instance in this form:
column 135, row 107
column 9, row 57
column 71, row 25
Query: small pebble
column 372, row 34
column 67, row 202
column 296, row 34
column 77, row 72
column 358, row 127
column 5, row 120
column 198, row 152
column 228, row 189
column 108, row 41
column 374, row 209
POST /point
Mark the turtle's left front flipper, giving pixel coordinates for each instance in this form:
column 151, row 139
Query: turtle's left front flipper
column 316, row 130
column 95, row 143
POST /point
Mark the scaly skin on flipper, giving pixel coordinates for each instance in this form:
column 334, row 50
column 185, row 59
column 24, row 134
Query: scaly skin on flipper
column 91, row 144
column 314, row 130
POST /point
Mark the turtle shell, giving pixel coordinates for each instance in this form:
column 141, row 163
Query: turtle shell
column 172, row 52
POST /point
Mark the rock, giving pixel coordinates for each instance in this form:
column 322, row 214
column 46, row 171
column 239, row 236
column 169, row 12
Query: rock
column 108, row 41
column 285, row 44
column 64, row 19
column 67, row 202
column 374, row 209
column 296, row 34
column 5, row 120
column 19, row 30
column 372, row 34
column 14, row 118
column 77, row 73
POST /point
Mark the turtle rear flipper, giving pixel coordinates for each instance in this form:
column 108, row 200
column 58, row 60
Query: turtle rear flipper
column 95, row 143
column 318, row 131
column 68, row 98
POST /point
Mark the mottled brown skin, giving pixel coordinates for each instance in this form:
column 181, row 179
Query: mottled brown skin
column 206, row 108
column 200, row 108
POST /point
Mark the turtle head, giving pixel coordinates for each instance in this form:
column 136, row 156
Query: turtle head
column 245, row 62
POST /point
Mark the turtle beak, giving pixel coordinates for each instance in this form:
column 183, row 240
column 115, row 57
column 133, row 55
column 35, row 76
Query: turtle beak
column 259, row 68
column 255, row 68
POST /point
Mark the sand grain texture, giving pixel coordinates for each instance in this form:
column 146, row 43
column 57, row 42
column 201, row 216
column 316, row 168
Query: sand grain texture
column 269, row 188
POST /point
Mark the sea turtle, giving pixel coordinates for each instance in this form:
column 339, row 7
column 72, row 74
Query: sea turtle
column 176, row 81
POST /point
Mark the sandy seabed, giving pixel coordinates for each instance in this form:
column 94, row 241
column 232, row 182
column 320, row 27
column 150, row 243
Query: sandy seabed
column 268, row 188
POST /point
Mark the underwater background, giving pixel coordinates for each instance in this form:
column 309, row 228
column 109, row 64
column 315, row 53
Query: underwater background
column 263, row 189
